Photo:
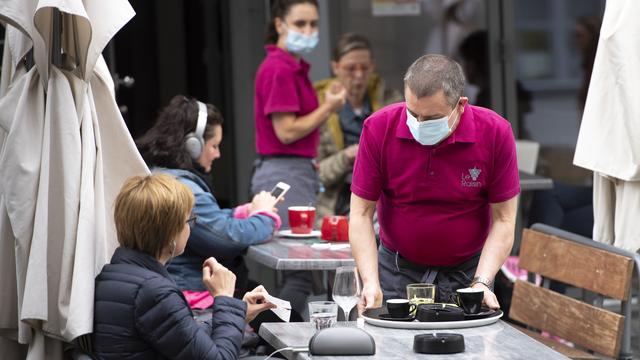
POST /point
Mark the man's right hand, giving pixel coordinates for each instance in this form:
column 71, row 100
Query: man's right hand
column 371, row 297
column 218, row 279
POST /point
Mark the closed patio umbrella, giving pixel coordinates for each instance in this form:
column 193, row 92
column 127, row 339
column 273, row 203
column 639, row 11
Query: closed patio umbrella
column 64, row 153
column 609, row 138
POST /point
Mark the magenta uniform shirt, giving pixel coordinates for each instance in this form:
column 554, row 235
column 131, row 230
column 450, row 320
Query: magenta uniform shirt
column 283, row 85
column 434, row 201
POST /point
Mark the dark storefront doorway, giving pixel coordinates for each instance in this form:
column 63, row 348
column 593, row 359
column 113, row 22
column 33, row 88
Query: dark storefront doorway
column 176, row 47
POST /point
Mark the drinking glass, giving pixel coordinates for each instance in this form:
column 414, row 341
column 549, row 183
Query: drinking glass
column 346, row 289
column 421, row 293
column 323, row 314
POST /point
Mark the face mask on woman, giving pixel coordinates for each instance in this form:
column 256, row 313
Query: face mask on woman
column 429, row 132
column 299, row 43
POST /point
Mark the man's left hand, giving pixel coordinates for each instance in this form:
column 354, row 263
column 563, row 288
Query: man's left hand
column 490, row 299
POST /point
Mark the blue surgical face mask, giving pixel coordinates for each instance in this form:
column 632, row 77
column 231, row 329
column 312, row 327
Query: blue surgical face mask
column 299, row 43
column 429, row 132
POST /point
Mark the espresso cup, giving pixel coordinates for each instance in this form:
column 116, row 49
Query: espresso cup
column 470, row 299
column 335, row 228
column 400, row 308
column 301, row 219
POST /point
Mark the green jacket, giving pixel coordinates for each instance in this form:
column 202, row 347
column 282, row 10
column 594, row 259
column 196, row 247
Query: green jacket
column 333, row 163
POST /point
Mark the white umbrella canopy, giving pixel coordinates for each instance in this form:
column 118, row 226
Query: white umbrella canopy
column 64, row 153
column 88, row 26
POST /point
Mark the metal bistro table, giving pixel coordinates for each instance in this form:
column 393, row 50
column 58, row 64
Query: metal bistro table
column 298, row 254
column 495, row 341
column 530, row 182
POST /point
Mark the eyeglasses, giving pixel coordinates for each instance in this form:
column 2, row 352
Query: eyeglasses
column 192, row 220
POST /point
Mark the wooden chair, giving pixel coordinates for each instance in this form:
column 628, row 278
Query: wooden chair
column 583, row 263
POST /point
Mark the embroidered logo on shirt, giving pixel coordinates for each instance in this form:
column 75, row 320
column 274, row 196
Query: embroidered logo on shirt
column 471, row 179
column 474, row 172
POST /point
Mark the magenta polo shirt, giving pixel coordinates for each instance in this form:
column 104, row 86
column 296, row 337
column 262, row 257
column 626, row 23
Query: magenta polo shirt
column 283, row 85
column 434, row 201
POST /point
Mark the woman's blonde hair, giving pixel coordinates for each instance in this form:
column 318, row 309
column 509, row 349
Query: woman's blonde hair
column 150, row 211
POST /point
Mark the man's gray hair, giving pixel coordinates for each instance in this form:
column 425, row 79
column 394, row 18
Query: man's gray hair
column 432, row 73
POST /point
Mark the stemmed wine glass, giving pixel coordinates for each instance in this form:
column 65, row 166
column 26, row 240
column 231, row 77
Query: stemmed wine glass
column 346, row 289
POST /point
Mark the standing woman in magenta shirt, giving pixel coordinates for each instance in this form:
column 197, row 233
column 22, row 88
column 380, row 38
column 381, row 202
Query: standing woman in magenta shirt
column 286, row 108
column 287, row 118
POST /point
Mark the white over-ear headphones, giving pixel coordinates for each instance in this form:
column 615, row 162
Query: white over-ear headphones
column 194, row 141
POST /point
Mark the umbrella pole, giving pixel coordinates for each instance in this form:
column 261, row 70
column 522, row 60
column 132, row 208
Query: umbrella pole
column 28, row 60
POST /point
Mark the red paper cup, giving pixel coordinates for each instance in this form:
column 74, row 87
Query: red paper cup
column 335, row 228
column 301, row 219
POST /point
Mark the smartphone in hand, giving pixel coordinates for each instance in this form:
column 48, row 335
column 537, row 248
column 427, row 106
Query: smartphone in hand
column 279, row 190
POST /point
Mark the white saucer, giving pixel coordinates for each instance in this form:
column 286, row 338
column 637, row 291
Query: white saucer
column 289, row 234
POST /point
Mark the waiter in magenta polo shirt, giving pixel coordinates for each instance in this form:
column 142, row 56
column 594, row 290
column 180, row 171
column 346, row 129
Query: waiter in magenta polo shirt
column 287, row 117
column 444, row 176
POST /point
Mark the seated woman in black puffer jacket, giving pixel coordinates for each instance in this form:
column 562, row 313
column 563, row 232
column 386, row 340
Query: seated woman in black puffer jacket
column 139, row 311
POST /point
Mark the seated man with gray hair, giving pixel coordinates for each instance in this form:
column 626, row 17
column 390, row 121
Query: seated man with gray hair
column 444, row 176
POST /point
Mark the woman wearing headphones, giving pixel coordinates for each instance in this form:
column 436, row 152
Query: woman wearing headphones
column 184, row 142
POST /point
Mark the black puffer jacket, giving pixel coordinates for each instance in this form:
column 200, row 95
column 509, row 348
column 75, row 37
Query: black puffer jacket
column 141, row 314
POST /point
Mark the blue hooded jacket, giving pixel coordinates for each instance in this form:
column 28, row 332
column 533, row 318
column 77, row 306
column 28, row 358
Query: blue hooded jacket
column 216, row 233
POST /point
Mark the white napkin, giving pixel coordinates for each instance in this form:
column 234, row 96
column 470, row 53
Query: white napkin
column 340, row 246
column 283, row 309
column 330, row 246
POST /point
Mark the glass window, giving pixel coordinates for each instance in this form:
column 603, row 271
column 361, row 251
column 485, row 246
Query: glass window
column 533, row 10
column 535, row 58
column 555, row 45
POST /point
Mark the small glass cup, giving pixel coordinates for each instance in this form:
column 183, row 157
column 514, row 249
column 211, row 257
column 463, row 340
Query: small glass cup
column 323, row 314
column 421, row 293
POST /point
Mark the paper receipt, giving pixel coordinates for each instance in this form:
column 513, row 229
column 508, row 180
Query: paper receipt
column 283, row 309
